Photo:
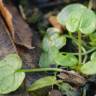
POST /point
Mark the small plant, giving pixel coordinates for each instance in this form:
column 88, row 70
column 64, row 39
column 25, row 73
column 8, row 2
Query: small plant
column 80, row 23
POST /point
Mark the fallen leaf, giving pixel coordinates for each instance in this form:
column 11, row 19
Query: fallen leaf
column 68, row 90
column 22, row 32
column 6, row 43
column 72, row 77
column 55, row 93
column 31, row 57
column 7, row 17
column 30, row 60
column 55, row 23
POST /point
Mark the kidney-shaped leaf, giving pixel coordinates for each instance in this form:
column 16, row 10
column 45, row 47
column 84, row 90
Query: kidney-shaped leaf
column 89, row 68
column 70, row 16
column 10, row 79
column 44, row 82
column 77, row 17
column 67, row 60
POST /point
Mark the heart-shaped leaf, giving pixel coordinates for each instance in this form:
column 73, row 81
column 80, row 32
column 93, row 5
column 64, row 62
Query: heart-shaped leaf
column 53, row 39
column 77, row 17
column 10, row 79
column 67, row 60
column 22, row 37
column 89, row 68
column 70, row 16
column 44, row 82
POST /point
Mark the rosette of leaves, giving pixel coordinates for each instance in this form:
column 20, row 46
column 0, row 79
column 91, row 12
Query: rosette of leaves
column 78, row 18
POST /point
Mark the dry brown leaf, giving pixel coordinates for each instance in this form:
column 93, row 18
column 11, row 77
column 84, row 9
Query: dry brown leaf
column 6, row 43
column 7, row 17
column 72, row 77
column 54, row 22
column 55, row 93
column 22, row 32
column 31, row 57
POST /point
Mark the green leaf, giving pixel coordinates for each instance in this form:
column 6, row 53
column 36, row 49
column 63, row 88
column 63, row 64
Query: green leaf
column 93, row 39
column 52, row 30
column 44, row 60
column 77, row 17
column 53, row 39
column 70, row 16
column 89, row 68
column 67, row 60
column 10, row 79
column 93, row 56
column 71, row 9
column 43, row 82
column 87, row 22
column 53, row 53
column 48, row 58
column 68, row 90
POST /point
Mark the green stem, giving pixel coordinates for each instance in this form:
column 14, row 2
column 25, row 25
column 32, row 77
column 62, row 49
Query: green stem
column 85, row 56
column 70, row 34
column 40, row 70
column 79, row 48
column 85, row 53
column 75, row 40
